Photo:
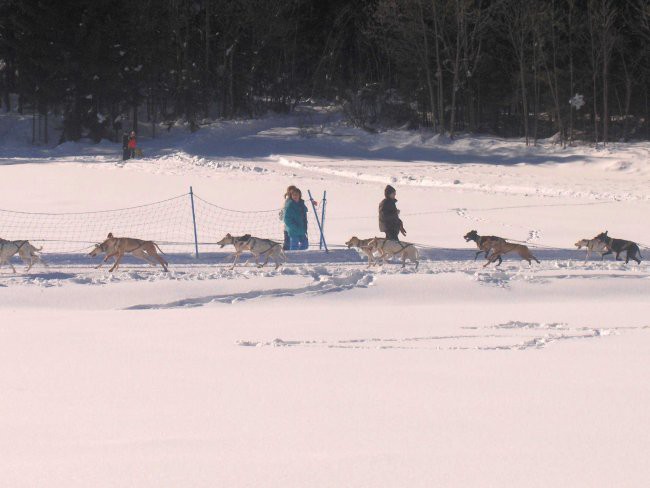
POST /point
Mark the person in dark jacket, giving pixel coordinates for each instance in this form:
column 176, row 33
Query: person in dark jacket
column 125, row 146
column 295, row 221
column 389, row 221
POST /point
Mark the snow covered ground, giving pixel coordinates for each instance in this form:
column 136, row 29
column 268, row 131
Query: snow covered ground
column 327, row 373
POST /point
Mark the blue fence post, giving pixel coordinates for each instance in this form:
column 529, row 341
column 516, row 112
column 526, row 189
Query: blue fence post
column 322, row 220
column 196, row 239
column 320, row 227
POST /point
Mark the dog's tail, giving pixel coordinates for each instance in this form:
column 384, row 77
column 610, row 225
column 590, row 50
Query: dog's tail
column 160, row 250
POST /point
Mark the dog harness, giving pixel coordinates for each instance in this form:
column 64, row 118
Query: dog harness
column 402, row 245
column 254, row 239
column 18, row 246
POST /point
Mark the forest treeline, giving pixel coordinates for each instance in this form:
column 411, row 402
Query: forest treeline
column 504, row 67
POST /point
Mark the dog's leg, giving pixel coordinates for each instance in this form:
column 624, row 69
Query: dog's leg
column 156, row 257
column 105, row 260
column 141, row 254
column 163, row 263
column 276, row 258
column 117, row 263
column 235, row 259
column 476, row 255
column 627, row 256
column 495, row 255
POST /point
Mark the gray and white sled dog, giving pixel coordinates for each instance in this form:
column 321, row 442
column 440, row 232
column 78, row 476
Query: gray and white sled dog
column 24, row 249
column 389, row 248
column 593, row 245
column 258, row 247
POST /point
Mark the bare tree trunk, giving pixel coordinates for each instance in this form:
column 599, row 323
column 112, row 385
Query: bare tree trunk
column 47, row 139
column 607, row 14
column 135, row 118
column 427, row 67
column 33, row 123
column 441, row 98
column 455, row 84
column 517, row 22
column 206, row 80
column 231, row 84
column 628, row 97
column 552, row 78
column 153, row 117
column 571, row 85
column 535, row 95
column 594, row 67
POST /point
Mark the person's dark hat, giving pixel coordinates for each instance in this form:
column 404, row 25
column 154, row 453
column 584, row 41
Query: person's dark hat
column 388, row 190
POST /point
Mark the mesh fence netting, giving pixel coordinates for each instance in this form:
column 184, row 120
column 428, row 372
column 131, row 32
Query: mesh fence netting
column 168, row 222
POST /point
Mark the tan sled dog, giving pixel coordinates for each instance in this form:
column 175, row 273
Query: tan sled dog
column 258, row 247
column 500, row 249
column 388, row 248
column 117, row 247
column 364, row 246
column 24, row 249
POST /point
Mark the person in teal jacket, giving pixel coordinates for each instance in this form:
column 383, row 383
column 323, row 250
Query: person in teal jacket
column 295, row 221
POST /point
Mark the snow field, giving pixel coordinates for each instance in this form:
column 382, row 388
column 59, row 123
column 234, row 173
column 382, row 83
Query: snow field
column 327, row 373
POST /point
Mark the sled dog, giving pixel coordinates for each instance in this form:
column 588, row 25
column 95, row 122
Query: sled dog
column 593, row 245
column 388, row 248
column 485, row 244
column 501, row 248
column 24, row 249
column 617, row 246
column 259, row 248
column 364, row 246
column 117, row 247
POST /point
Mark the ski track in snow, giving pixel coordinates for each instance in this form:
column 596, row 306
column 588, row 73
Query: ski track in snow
column 323, row 283
column 417, row 177
column 483, row 339
column 334, row 274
